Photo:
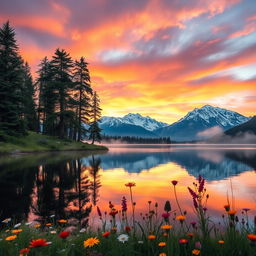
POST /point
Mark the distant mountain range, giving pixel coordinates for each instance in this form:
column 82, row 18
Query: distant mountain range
column 199, row 124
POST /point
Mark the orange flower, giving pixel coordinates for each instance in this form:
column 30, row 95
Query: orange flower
column 181, row 218
column 48, row 224
column 10, row 238
column 190, row 235
column 37, row 225
column 227, row 207
column 162, row 244
column 151, row 237
column 24, row 251
column 252, row 237
column 38, row 243
column 196, row 252
column 162, row 254
column 130, row 184
column 183, row 241
column 231, row 212
column 90, row 242
column 165, row 234
column 166, row 227
column 221, row 242
column 16, row 231
column 62, row 221
column 106, row 234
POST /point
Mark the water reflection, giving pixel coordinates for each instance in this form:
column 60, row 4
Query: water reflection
column 70, row 185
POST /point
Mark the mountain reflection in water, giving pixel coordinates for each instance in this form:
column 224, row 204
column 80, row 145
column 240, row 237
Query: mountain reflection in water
column 69, row 185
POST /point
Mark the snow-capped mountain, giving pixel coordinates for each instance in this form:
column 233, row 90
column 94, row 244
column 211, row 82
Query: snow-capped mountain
column 200, row 120
column 145, row 122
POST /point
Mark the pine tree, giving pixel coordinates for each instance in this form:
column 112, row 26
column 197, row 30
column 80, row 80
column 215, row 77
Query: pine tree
column 62, row 77
column 94, row 130
column 11, row 71
column 28, row 95
column 83, row 89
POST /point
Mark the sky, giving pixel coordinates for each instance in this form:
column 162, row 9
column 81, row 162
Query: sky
column 159, row 58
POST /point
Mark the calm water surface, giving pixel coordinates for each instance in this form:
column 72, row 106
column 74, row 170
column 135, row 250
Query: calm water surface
column 69, row 185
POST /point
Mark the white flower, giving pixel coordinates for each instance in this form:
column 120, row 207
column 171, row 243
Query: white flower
column 140, row 242
column 49, row 243
column 123, row 238
column 6, row 220
column 82, row 230
column 52, row 216
column 53, row 232
column 17, row 225
column 28, row 223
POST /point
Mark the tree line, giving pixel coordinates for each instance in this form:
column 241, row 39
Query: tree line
column 60, row 102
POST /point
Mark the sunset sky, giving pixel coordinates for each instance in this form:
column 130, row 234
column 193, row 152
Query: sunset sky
column 160, row 58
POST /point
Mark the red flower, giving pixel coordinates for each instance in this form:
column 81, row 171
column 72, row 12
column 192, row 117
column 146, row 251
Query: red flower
column 24, row 251
column 174, row 182
column 64, row 234
column 38, row 243
column 130, row 184
column 106, row 234
column 113, row 212
column 128, row 229
column 227, row 207
column 183, row 241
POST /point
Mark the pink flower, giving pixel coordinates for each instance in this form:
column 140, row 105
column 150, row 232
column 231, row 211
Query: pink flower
column 166, row 215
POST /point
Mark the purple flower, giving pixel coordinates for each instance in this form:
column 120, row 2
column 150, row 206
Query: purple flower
column 166, row 215
column 195, row 203
column 193, row 224
column 201, row 186
column 193, row 193
column 99, row 212
column 198, row 245
column 124, row 204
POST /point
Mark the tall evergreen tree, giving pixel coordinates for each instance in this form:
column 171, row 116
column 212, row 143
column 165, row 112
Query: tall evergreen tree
column 28, row 97
column 94, row 130
column 62, row 77
column 11, row 71
column 84, row 90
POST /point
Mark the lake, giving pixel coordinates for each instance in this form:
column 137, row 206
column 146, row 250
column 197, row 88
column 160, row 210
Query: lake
column 71, row 184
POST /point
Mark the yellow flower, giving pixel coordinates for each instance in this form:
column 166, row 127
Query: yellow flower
column 90, row 242
column 10, row 238
column 181, row 218
column 221, row 242
column 166, row 227
column 162, row 244
column 62, row 221
column 162, row 254
column 151, row 237
column 37, row 225
column 196, row 252
column 16, row 231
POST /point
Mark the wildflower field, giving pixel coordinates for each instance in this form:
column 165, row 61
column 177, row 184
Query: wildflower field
column 158, row 232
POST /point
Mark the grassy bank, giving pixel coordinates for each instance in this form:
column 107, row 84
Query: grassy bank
column 34, row 142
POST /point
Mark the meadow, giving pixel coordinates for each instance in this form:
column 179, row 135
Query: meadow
column 157, row 232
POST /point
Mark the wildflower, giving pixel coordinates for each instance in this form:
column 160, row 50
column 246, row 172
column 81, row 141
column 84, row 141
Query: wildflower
column 181, row 218
column 198, row 245
column 193, row 224
column 151, row 237
column 38, row 243
column 167, row 206
column 90, row 242
column 82, row 230
column 252, row 237
column 24, row 251
column 165, row 234
column 190, row 235
column 201, row 186
column 193, row 193
column 123, row 238
column 52, row 216
column 17, row 225
column 227, row 207
column 174, row 182
column 99, row 212
column 28, row 223
column 6, row 220
column 128, row 229
column 231, row 212
column 48, row 224
column 124, row 204
column 165, row 215
column 114, row 229
column 162, row 244
column 62, row 221
column 166, row 227
column 140, row 242
column 106, row 234
column 183, row 241
column 10, row 238
column 16, row 231
column 130, row 184
column 53, row 232
column 196, row 252
column 221, row 242
column 246, row 209
column 37, row 225
column 195, row 203
column 162, row 254
column 64, row 235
